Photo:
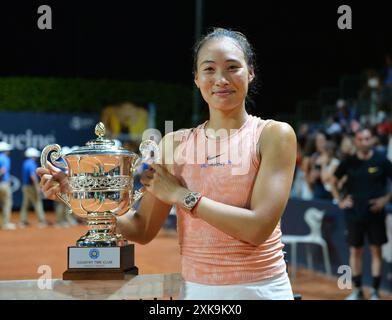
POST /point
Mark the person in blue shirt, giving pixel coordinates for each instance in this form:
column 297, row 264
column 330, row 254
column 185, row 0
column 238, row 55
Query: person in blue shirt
column 5, row 187
column 30, row 189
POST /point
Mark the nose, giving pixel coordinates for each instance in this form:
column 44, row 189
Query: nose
column 221, row 79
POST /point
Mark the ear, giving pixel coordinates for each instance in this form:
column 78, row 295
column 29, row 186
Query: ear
column 251, row 75
column 196, row 80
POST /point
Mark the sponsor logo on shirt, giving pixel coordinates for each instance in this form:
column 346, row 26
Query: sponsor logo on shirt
column 372, row 169
column 217, row 164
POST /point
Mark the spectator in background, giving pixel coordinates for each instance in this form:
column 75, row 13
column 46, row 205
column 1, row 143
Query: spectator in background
column 30, row 189
column 328, row 163
column 380, row 145
column 333, row 126
column 314, row 174
column 64, row 217
column 344, row 114
column 371, row 85
column 303, row 134
column 364, row 206
column 5, row 187
column 384, row 127
column 309, row 150
column 347, row 147
column 334, row 129
column 371, row 93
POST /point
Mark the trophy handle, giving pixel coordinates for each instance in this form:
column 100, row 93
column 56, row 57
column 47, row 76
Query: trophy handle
column 55, row 154
column 137, row 194
column 149, row 150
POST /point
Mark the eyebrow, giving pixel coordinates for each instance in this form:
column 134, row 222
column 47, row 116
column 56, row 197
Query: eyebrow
column 212, row 61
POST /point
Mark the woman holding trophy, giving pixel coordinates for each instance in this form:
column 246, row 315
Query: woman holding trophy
column 229, row 179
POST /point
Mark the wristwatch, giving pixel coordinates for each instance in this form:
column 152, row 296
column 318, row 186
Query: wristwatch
column 190, row 200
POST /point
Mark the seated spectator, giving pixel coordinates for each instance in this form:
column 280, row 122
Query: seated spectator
column 328, row 163
column 314, row 174
column 333, row 126
column 347, row 147
column 309, row 150
column 344, row 114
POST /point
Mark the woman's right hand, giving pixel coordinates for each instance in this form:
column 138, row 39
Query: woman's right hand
column 53, row 181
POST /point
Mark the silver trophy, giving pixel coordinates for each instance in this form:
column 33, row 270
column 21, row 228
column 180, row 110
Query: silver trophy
column 101, row 187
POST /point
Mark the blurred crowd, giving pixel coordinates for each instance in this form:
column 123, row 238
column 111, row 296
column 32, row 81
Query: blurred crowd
column 323, row 145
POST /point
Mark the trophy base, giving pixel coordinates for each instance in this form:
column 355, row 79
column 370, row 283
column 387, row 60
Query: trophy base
column 83, row 274
column 100, row 263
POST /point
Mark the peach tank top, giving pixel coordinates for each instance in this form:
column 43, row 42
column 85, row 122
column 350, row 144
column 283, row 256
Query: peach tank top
column 223, row 170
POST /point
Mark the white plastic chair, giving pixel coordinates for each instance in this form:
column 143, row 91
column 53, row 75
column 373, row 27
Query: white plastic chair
column 314, row 218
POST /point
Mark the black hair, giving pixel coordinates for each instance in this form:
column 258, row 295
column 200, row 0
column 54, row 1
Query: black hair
column 243, row 43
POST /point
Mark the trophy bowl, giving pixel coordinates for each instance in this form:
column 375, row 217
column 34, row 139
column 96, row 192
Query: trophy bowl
column 101, row 184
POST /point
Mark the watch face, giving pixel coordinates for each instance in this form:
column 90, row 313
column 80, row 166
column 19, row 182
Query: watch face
column 191, row 199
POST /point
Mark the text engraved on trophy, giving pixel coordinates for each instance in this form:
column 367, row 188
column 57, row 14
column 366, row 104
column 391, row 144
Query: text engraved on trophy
column 106, row 183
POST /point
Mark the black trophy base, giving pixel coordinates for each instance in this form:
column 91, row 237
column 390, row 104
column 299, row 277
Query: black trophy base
column 108, row 274
column 112, row 263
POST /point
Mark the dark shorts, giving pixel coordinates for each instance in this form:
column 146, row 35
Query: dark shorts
column 373, row 229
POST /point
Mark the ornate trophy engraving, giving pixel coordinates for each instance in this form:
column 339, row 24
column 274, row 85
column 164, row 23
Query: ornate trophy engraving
column 100, row 179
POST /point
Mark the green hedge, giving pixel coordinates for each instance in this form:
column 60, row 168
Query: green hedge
column 174, row 102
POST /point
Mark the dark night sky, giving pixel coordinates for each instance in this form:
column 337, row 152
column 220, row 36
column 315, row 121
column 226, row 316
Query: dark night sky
column 299, row 46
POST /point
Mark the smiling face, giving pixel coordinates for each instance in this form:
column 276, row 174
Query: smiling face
column 223, row 74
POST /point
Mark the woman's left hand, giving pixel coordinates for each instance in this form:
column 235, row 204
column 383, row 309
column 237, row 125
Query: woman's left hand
column 162, row 184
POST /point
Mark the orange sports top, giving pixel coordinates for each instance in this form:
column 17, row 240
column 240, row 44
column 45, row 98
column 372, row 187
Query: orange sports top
column 223, row 170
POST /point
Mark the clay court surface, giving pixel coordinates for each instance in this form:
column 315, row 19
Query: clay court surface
column 22, row 251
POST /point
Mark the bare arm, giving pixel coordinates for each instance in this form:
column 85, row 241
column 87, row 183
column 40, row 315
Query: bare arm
column 328, row 173
column 343, row 203
column 144, row 225
column 334, row 188
column 306, row 163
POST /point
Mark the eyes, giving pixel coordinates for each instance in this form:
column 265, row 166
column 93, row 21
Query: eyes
column 210, row 69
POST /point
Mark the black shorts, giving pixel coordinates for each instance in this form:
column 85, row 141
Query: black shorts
column 373, row 229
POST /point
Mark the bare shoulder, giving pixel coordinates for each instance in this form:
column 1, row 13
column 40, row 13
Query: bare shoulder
column 278, row 135
column 277, row 130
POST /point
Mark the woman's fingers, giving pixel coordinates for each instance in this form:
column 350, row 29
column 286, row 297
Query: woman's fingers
column 146, row 177
column 46, row 178
column 145, row 181
column 51, row 192
column 41, row 171
column 49, row 184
